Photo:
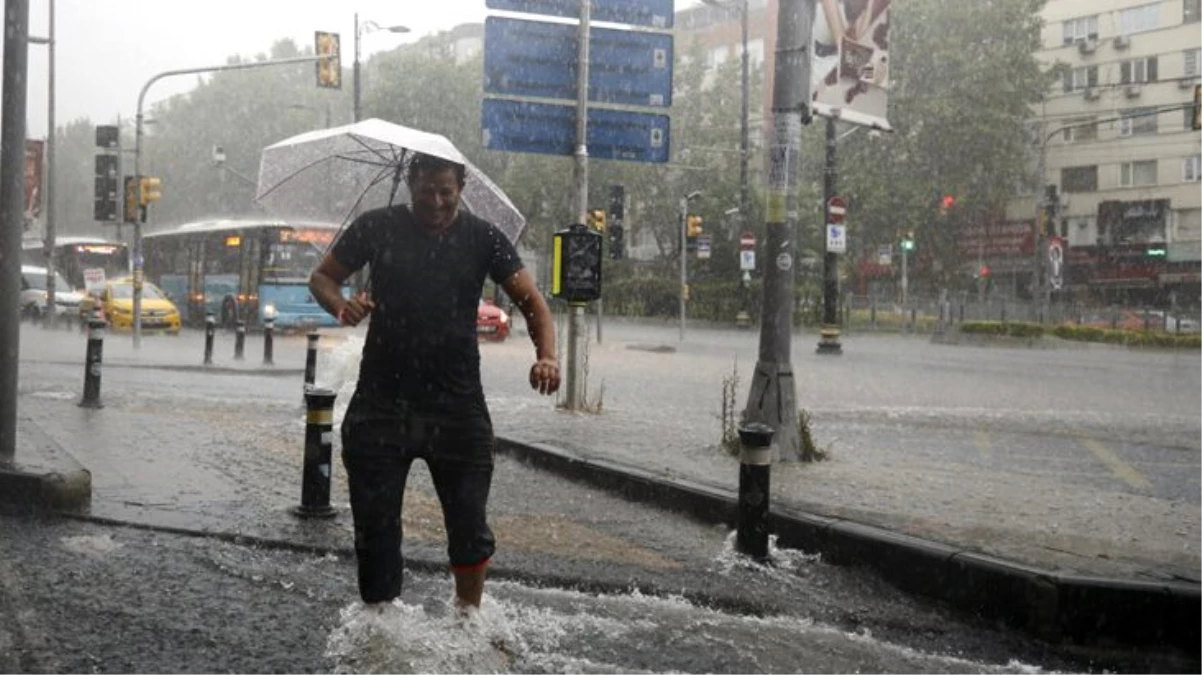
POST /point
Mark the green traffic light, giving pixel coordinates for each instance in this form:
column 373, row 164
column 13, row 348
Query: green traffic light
column 907, row 245
column 1156, row 252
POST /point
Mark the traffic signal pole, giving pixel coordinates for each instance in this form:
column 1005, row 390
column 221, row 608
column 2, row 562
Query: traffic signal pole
column 828, row 343
column 575, row 371
column 138, row 133
column 773, row 396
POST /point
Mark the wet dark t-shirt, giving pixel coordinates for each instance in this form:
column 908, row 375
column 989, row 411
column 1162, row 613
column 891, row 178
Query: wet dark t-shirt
column 421, row 352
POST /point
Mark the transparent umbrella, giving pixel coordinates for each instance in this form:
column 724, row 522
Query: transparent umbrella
column 333, row 174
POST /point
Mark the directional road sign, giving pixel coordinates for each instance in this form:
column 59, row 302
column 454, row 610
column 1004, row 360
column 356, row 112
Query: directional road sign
column 522, row 126
column 653, row 13
column 536, row 58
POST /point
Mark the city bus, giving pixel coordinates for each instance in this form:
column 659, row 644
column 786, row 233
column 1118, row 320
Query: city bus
column 247, row 270
column 83, row 261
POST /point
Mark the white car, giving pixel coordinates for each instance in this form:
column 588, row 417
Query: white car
column 33, row 294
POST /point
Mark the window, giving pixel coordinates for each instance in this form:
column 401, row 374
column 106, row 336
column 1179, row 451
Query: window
column 1081, row 29
column 1191, row 168
column 1190, row 58
column 1081, row 129
column 1138, row 122
column 1192, row 11
column 1139, row 19
column 1079, row 179
column 1080, row 78
column 1134, row 174
column 1138, row 70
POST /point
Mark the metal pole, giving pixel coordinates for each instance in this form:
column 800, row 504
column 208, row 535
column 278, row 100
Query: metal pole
column 268, row 342
column 210, row 332
column 92, row 361
column 48, row 188
column 12, row 197
column 773, row 398
column 905, row 278
column 828, row 343
column 576, row 388
column 138, row 122
column 311, row 361
column 1037, row 281
column 684, row 261
column 355, row 110
column 240, row 340
column 744, row 132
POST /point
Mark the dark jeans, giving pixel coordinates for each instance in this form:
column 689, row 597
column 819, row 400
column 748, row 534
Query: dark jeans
column 377, row 467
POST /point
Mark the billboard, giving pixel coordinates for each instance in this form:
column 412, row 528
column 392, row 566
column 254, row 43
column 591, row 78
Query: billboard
column 850, row 72
column 34, row 158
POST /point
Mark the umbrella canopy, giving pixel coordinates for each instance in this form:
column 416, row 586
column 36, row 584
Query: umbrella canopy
column 334, row 174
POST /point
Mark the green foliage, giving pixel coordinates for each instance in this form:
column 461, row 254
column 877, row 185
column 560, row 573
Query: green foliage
column 1133, row 338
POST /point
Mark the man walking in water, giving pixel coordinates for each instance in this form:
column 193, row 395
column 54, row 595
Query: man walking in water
column 419, row 393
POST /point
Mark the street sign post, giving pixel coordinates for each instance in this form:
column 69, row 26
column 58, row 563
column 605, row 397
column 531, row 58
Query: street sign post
column 538, row 59
column 653, row 13
column 521, row 126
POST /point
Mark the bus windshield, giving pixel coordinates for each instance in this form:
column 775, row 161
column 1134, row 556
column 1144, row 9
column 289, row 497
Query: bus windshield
column 111, row 258
column 290, row 261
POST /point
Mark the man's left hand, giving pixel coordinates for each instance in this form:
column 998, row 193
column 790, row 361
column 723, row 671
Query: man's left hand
column 544, row 376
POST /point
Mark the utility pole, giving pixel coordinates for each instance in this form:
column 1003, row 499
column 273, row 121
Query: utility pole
column 576, row 385
column 684, row 257
column 773, row 395
column 829, row 341
column 12, row 196
column 48, row 234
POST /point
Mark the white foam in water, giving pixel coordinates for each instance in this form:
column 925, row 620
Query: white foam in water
column 784, row 560
column 340, row 372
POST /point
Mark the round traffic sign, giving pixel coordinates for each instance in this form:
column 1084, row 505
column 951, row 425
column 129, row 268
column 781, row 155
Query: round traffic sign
column 836, row 208
column 747, row 240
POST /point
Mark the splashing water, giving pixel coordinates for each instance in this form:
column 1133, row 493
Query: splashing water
column 431, row 638
column 782, row 561
column 340, row 372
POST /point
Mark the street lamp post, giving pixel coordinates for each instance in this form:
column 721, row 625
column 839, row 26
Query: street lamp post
column 360, row 29
column 48, row 188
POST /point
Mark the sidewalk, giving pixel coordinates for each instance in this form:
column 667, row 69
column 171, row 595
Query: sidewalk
column 198, row 474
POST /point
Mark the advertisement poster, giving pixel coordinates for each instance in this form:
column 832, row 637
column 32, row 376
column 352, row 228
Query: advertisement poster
column 34, row 153
column 851, row 61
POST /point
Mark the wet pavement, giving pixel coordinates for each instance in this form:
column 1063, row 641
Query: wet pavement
column 217, row 453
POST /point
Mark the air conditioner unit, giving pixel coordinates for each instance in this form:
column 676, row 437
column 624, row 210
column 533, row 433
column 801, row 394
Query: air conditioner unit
column 1092, row 94
column 1122, row 42
column 1087, row 46
column 1185, row 83
column 1133, row 90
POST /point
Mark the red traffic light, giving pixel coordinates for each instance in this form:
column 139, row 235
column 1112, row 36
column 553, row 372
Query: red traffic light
column 947, row 202
column 984, row 271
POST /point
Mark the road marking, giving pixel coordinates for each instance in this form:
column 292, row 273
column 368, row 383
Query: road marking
column 982, row 441
column 1122, row 470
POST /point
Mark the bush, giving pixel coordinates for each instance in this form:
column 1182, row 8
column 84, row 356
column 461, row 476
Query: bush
column 1016, row 329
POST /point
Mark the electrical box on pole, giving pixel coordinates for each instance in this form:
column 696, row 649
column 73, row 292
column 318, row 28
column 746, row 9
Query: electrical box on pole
column 576, row 265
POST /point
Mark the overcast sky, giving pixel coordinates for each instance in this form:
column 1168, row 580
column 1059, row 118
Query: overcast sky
column 108, row 49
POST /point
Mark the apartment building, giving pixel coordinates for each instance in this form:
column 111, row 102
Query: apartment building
column 1120, row 152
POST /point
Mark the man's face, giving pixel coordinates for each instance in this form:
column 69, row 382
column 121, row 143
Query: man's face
column 435, row 197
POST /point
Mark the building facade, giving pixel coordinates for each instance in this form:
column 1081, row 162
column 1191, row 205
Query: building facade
column 1120, row 157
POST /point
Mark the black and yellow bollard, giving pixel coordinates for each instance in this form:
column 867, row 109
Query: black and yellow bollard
column 311, row 361
column 319, row 436
column 240, row 340
column 91, row 372
column 210, row 331
column 268, row 342
column 755, row 463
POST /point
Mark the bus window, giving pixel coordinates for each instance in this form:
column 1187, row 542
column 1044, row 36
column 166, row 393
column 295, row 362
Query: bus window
column 290, row 261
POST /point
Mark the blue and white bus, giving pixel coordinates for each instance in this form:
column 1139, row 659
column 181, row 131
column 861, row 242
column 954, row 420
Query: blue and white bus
column 241, row 269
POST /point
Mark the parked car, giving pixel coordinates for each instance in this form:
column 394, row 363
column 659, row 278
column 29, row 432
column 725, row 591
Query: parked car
column 116, row 303
column 492, row 322
column 33, row 294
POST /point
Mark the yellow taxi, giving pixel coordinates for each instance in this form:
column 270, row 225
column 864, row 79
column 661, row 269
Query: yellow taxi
column 116, row 301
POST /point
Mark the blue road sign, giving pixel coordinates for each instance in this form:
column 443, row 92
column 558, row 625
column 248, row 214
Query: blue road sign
column 654, row 13
column 536, row 58
column 523, row 126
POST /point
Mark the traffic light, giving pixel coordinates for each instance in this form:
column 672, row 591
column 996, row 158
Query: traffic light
column 149, row 187
column 1156, row 251
column 946, row 203
column 104, row 204
column 329, row 66
column 132, row 199
column 907, row 241
column 596, row 220
column 693, row 223
column 617, row 242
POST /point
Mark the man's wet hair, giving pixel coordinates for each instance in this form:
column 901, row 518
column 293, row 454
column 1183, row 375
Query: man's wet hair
column 422, row 163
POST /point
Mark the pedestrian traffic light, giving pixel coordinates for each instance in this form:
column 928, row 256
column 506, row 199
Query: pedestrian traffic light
column 329, row 65
column 617, row 242
column 104, row 205
column 149, row 186
column 576, row 265
column 693, row 223
column 596, row 220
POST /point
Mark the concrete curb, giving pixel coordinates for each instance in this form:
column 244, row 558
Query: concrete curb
column 199, row 368
column 1062, row 608
column 43, row 478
